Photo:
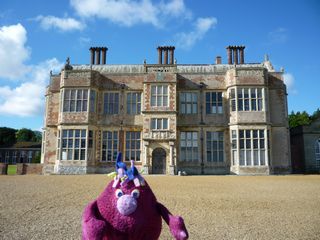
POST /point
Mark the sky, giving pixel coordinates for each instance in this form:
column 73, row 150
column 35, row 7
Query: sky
column 37, row 36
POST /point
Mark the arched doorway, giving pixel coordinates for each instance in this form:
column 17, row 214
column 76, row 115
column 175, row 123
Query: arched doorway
column 159, row 161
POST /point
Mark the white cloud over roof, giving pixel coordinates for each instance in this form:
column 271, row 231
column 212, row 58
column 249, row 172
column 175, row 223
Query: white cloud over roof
column 201, row 27
column 62, row 24
column 24, row 96
column 13, row 51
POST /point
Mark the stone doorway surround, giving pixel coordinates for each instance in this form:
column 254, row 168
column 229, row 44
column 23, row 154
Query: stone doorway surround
column 159, row 157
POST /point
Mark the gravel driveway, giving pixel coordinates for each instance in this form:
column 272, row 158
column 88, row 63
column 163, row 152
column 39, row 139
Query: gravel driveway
column 214, row 207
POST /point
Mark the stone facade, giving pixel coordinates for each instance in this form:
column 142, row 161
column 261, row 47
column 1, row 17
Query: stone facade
column 199, row 119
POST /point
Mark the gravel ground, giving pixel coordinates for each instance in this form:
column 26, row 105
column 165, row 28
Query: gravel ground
column 214, row 207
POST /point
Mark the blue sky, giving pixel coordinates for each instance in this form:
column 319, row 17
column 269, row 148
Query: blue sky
column 37, row 36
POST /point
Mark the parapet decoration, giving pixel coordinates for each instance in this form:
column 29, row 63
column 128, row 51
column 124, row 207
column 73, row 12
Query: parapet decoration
column 67, row 66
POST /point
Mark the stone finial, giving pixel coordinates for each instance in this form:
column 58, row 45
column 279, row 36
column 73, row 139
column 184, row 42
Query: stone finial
column 266, row 57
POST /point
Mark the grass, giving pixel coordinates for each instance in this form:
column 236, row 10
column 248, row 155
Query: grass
column 12, row 169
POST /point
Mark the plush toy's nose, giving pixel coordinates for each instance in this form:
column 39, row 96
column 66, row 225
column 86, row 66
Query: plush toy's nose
column 126, row 205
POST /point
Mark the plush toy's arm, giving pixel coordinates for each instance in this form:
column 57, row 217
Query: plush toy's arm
column 176, row 223
column 92, row 226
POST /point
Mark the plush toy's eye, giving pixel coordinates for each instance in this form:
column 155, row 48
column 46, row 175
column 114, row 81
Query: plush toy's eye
column 135, row 193
column 119, row 193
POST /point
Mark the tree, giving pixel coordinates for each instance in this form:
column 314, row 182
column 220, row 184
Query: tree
column 316, row 114
column 7, row 136
column 298, row 119
column 25, row 135
column 38, row 135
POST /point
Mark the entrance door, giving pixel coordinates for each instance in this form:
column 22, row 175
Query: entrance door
column 159, row 161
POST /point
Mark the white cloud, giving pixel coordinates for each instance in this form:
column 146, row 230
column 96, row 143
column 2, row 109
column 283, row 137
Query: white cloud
column 280, row 35
column 175, row 8
column 63, row 24
column 27, row 97
column 13, row 52
column 202, row 26
column 288, row 79
column 130, row 12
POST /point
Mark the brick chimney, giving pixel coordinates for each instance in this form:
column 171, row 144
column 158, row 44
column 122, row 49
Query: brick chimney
column 237, row 52
column 98, row 55
column 218, row 60
column 167, row 51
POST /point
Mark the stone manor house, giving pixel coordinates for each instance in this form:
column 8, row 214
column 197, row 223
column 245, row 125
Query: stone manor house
column 168, row 117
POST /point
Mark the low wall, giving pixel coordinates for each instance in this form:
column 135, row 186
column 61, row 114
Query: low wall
column 29, row 168
column 3, row 168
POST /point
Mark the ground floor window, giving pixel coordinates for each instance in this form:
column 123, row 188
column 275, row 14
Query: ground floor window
column 317, row 151
column 214, row 146
column 189, row 150
column 73, row 144
column 110, row 143
column 7, row 156
column 249, row 147
column 14, row 157
column 133, row 146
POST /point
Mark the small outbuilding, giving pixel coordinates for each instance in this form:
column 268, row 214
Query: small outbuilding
column 305, row 148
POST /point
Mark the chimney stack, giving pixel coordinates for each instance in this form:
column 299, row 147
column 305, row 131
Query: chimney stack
column 218, row 60
column 238, row 54
column 97, row 54
column 166, row 50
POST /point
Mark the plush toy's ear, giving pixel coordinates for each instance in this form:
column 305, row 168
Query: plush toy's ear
column 119, row 163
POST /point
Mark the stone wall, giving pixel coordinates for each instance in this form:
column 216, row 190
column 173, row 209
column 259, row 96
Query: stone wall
column 3, row 168
column 29, row 168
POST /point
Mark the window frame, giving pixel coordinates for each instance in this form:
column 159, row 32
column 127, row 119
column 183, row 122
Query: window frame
column 133, row 138
column 216, row 139
column 73, row 140
column 114, row 145
column 184, row 102
column 247, row 99
column 80, row 103
column 137, row 104
column 159, row 123
column 115, row 106
column 249, row 147
column 155, row 95
column 317, row 153
column 189, row 139
column 215, row 104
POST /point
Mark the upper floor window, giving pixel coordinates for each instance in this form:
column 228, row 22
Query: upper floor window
column 75, row 100
column 133, row 103
column 159, row 123
column 92, row 107
column 213, row 102
column 247, row 99
column 188, row 103
column 159, row 96
column 189, row 149
column 111, row 103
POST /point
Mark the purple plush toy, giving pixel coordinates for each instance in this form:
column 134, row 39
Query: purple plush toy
column 128, row 210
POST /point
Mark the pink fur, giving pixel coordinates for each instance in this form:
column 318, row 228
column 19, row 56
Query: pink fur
column 102, row 219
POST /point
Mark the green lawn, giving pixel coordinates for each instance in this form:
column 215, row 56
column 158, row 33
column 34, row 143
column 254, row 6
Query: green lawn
column 12, row 169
